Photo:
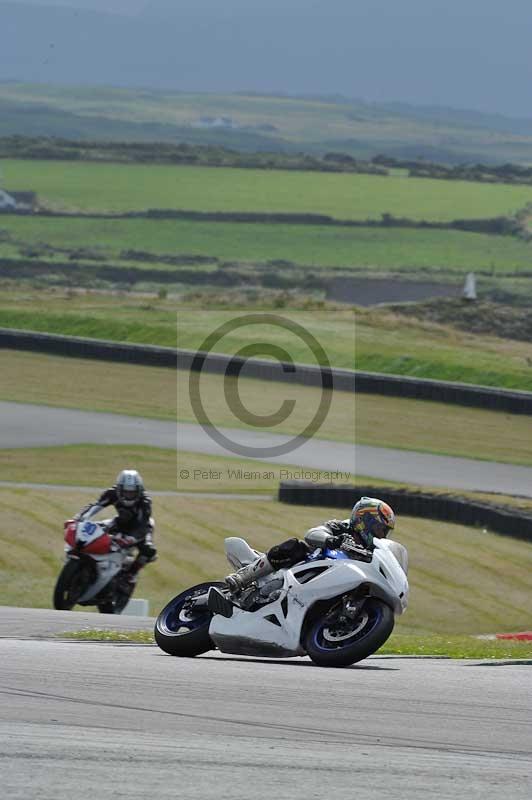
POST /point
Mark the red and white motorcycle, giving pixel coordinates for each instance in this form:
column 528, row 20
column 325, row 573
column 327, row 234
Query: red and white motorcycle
column 94, row 573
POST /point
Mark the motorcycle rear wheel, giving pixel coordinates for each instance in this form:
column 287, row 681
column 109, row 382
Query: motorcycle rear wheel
column 73, row 581
column 331, row 643
column 181, row 634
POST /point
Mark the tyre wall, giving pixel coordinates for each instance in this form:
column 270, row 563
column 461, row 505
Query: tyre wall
column 339, row 379
column 447, row 508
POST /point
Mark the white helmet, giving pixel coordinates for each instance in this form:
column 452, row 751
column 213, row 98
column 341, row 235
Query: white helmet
column 129, row 487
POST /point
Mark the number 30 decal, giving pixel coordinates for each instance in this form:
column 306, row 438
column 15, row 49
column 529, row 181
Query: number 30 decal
column 89, row 528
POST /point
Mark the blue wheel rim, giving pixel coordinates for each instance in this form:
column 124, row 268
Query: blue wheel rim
column 171, row 619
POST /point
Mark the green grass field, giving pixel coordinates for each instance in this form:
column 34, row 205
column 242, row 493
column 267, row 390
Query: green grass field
column 463, row 581
column 169, row 323
column 383, row 344
column 152, row 392
column 372, row 249
column 380, row 340
column 116, row 187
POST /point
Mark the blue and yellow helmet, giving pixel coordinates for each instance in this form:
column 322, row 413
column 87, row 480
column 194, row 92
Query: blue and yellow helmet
column 372, row 518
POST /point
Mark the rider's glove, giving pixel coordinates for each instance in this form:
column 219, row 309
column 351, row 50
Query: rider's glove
column 336, row 526
column 122, row 540
column 334, row 542
column 350, row 546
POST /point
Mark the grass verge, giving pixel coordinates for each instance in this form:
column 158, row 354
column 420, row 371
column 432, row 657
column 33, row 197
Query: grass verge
column 429, row 350
column 74, row 466
column 97, row 635
column 462, row 647
column 162, row 470
column 169, row 324
column 442, row 428
column 400, row 644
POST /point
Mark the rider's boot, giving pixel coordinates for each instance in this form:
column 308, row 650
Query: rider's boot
column 131, row 573
column 126, row 581
column 257, row 569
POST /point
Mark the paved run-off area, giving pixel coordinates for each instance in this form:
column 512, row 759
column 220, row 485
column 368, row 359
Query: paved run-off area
column 123, row 721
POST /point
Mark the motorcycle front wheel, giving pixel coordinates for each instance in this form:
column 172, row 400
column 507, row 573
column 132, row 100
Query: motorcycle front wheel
column 72, row 583
column 333, row 641
column 118, row 598
column 183, row 631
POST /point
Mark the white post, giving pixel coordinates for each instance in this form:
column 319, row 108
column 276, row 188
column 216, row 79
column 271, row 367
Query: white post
column 137, row 607
column 470, row 287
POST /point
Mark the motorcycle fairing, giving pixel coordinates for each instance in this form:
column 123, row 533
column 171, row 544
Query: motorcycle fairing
column 96, row 543
column 107, row 567
column 275, row 629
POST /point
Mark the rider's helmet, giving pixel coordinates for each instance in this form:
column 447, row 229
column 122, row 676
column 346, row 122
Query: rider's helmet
column 372, row 518
column 129, row 487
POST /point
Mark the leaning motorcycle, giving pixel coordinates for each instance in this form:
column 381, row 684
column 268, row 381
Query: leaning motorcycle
column 94, row 569
column 337, row 606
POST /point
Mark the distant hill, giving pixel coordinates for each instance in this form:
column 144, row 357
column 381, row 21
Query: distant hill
column 253, row 122
column 42, row 119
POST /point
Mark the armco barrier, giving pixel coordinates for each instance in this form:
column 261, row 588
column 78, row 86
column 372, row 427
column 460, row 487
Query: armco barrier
column 447, row 508
column 346, row 380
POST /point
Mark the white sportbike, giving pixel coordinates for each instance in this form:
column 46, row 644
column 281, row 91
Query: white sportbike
column 336, row 606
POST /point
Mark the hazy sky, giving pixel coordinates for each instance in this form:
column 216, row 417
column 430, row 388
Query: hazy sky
column 474, row 54
column 129, row 7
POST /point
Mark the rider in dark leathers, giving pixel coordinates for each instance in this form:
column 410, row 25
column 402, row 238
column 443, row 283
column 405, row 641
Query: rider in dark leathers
column 133, row 517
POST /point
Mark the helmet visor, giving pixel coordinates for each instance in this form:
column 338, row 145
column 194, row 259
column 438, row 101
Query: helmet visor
column 130, row 494
column 380, row 530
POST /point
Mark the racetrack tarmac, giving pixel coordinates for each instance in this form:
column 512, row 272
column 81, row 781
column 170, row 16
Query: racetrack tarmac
column 24, row 425
column 109, row 721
